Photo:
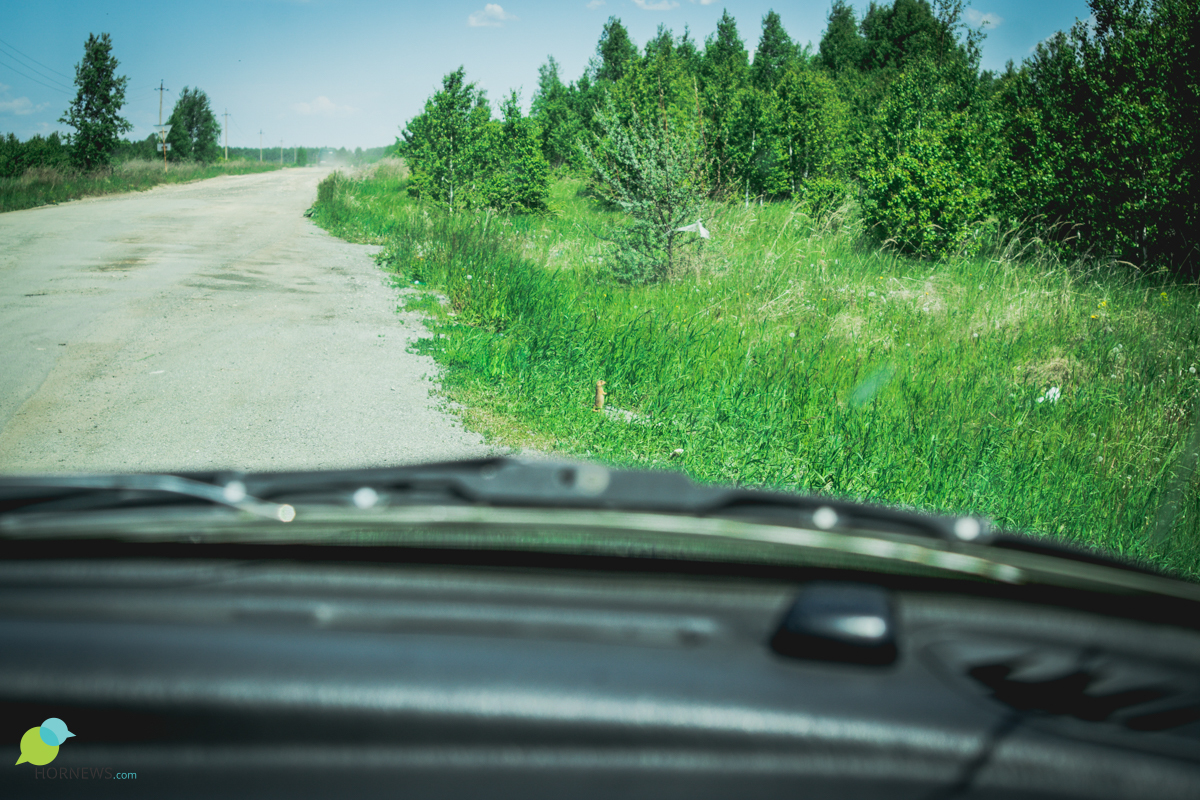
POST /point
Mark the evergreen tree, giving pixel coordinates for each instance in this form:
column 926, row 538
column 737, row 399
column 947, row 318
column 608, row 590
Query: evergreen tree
column 654, row 171
column 724, row 73
column 616, row 52
column 443, row 145
column 807, row 124
column 752, row 151
column 517, row 177
column 724, row 51
column 842, row 46
column 657, row 87
column 687, row 53
column 558, row 120
column 906, row 31
column 776, row 51
column 662, row 45
column 195, row 130
column 95, row 111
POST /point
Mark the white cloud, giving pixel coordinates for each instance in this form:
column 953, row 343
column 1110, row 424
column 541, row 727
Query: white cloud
column 595, row 3
column 986, row 20
column 705, row 2
column 21, row 106
column 658, row 5
column 492, row 16
column 323, row 107
column 18, row 106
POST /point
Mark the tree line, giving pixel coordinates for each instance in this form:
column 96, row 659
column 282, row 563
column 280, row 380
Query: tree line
column 95, row 116
column 1089, row 144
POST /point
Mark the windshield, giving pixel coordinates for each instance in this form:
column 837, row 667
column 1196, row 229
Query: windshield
column 911, row 253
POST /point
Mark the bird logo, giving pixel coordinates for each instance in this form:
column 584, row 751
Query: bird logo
column 39, row 746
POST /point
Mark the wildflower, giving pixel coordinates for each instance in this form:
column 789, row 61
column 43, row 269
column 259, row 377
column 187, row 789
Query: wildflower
column 1103, row 304
column 1099, row 459
column 468, row 277
column 1052, row 394
column 1192, row 370
column 1094, row 316
column 1163, row 295
column 870, row 294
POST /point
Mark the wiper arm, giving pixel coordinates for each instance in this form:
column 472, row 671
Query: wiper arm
column 507, row 482
column 510, row 483
column 67, row 493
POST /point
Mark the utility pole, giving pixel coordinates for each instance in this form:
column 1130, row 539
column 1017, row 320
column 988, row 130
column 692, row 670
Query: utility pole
column 260, row 145
column 162, row 129
column 227, row 134
column 281, row 152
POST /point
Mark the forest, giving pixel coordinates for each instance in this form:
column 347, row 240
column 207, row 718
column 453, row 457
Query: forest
column 1088, row 146
column 868, row 270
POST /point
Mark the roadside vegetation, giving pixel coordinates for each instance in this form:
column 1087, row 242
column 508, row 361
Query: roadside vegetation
column 41, row 186
column 872, row 271
column 94, row 160
column 1056, row 397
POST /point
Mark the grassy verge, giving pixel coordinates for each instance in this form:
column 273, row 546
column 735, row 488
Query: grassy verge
column 39, row 187
column 1054, row 398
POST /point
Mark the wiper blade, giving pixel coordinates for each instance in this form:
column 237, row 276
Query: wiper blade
column 509, row 483
column 73, row 493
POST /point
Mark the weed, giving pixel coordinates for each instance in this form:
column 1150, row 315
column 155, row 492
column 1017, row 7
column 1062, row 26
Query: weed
column 45, row 185
column 797, row 357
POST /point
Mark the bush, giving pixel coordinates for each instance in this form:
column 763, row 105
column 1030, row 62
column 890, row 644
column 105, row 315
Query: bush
column 655, row 173
column 822, row 196
column 926, row 182
column 16, row 157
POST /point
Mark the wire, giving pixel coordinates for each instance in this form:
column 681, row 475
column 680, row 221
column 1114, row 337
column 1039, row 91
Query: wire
column 35, row 61
column 35, row 80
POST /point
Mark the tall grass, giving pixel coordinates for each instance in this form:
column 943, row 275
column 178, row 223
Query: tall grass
column 44, row 185
column 1055, row 398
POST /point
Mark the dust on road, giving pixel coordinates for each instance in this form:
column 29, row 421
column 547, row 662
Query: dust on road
column 206, row 325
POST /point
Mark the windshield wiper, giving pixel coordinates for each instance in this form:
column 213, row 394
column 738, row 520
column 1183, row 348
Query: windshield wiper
column 499, row 482
column 504, row 483
column 76, row 493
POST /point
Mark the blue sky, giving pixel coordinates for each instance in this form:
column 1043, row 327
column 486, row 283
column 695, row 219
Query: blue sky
column 349, row 73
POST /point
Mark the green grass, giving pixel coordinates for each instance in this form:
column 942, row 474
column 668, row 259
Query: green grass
column 789, row 354
column 39, row 187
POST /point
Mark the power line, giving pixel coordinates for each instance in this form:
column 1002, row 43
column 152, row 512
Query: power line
column 35, row 80
column 35, row 70
column 35, row 61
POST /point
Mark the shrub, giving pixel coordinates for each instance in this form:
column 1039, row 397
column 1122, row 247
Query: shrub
column 655, row 173
column 926, row 182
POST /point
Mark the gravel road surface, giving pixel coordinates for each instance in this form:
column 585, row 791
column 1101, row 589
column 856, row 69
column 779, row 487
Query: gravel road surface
column 206, row 325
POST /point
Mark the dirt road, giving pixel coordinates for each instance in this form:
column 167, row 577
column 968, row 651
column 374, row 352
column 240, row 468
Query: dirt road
column 206, row 325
